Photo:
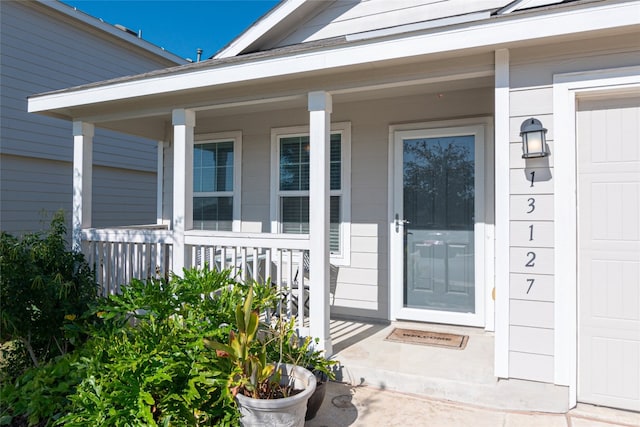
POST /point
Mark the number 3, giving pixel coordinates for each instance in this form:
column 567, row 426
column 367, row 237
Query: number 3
column 532, row 204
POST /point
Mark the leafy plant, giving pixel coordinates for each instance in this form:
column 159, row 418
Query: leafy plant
column 39, row 396
column 296, row 350
column 43, row 284
column 250, row 375
column 148, row 365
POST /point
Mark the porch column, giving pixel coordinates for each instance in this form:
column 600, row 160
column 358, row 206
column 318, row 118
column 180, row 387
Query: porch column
column 82, row 180
column 320, row 107
column 184, row 122
column 160, row 183
column 501, row 148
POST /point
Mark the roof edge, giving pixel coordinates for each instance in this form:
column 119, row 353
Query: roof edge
column 260, row 28
column 97, row 23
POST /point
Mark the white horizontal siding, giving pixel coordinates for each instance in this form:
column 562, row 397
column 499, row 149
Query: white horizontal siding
column 42, row 53
column 530, row 366
column 33, row 189
column 532, row 290
column 43, row 50
column 349, row 17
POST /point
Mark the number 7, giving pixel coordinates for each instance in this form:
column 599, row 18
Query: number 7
column 530, row 284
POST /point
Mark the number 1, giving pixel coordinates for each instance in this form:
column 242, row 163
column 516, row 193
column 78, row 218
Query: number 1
column 531, row 232
column 533, row 175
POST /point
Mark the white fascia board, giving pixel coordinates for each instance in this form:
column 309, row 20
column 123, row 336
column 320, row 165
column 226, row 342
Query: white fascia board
column 494, row 32
column 260, row 28
column 110, row 29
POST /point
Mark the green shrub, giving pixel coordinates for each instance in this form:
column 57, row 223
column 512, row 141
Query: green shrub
column 148, row 365
column 140, row 358
column 42, row 282
column 39, row 396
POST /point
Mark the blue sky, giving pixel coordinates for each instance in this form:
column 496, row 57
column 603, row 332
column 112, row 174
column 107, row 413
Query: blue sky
column 180, row 26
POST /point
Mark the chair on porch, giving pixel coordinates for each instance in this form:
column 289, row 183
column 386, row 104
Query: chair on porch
column 295, row 284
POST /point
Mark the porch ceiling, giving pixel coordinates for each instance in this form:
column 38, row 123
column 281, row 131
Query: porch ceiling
column 156, row 125
column 150, row 116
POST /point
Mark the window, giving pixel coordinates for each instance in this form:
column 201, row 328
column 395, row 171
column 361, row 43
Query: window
column 216, row 182
column 290, row 197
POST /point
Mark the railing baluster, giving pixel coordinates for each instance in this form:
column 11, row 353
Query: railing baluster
column 290, row 283
column 243, row 264
column 267, row 265
column 300, row 295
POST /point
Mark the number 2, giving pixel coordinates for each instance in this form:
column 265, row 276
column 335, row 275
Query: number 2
column 532, row 258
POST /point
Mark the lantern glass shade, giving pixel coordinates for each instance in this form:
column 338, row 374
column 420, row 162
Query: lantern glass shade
column 534, row 143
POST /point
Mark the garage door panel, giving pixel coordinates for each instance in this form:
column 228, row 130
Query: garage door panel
column 614, row 292
column 608, row 145
column 613, row 210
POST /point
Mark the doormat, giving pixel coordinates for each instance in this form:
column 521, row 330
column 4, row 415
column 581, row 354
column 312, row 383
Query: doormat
column 413, row 336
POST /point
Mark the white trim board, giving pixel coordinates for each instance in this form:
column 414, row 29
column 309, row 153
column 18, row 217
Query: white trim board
column 236, row 137
column 344, row 128
column 502, row 197
column 484, row 266
column 566, row 89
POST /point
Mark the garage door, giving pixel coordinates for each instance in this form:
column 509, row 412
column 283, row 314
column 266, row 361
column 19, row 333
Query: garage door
column 608, row 143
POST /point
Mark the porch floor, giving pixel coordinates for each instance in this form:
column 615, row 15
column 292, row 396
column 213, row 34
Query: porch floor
column 451, row 374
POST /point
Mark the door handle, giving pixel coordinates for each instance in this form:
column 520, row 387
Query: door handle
column 400, row 222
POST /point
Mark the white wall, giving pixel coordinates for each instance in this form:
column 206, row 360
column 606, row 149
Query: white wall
column 44, row 50
column 532, row 323
column 348, row 17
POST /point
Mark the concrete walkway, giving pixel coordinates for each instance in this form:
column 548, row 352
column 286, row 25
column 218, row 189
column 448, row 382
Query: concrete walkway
column 345, row 405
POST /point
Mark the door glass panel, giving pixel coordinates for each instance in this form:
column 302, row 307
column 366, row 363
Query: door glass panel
column 438, row 203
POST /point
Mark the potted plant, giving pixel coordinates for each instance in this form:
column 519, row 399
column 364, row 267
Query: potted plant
column 266, row 393
column 299, row 351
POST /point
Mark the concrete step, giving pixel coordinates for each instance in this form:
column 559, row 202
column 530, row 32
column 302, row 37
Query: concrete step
column 457, row 375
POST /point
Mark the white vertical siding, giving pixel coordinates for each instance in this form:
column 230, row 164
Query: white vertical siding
column 43, row 50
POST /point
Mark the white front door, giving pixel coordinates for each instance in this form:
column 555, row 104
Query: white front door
column 608, row 147
column 437, row 225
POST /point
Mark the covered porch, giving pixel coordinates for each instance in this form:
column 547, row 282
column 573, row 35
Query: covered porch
column 342, row 266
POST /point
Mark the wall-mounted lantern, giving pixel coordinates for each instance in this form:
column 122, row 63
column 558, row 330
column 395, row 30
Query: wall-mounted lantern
column 534, row 141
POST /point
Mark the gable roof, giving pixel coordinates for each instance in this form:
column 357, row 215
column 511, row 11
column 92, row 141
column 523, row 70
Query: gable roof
column 293, row 22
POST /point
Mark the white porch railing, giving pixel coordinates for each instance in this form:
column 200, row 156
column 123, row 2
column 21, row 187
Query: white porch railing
column 265, row 258
column 119, row 255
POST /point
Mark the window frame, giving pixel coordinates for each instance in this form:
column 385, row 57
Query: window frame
column 236, row 194
column 343, row 257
